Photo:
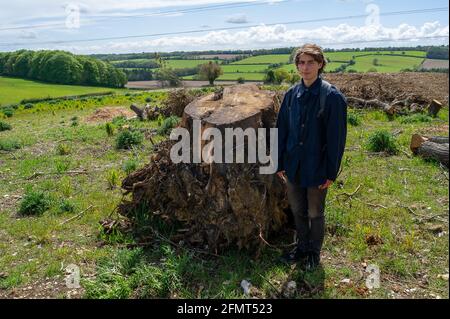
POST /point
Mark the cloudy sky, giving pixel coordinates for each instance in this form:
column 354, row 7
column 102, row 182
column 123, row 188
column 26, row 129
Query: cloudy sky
column 119, row 26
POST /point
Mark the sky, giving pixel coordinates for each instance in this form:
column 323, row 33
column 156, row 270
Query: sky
column 119, row 26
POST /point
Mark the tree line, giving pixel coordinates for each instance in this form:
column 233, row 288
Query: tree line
column 60, row 67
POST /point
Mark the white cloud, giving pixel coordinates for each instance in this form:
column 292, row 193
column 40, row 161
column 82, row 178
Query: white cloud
column 274, row 36
column 237, row 19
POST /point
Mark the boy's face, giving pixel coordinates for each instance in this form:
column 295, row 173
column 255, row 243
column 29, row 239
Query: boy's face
column 308, row 68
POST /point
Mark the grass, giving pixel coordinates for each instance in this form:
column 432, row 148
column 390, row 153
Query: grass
column 184, row 64
column 265, row 59
column 386, row 63
column 14, row 90
column 34, row 250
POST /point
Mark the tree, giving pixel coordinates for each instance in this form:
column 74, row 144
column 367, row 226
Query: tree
column 210, row 71
column 270, row 77
column 375, row 62
column 167, row 76
column 281, row 75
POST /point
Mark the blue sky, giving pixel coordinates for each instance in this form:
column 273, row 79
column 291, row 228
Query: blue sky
column 263, row 24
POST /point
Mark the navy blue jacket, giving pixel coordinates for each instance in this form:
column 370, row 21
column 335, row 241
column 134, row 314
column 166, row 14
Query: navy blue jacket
column 309, row 143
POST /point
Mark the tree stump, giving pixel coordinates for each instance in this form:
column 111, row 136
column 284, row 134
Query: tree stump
column 435, row 147
column 434, row 108
column 217, row 204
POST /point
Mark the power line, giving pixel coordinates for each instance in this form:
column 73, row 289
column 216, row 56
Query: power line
column 228, row 28
column 160, row 13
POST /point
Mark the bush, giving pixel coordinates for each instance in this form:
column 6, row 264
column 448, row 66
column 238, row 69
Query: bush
column 167, row 124
column 382, row 141
column 28, row 106
column 9, row 145
column 148, row 99
column 8, row 111
column 66, row 207
column 240, row 80
column 34, row 203
column 353, row 119
column 4, row 126
column 126, row 139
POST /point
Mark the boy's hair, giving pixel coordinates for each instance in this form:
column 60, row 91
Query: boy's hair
column 313, row 50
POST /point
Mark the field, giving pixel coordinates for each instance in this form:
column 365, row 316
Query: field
column 390, row 219
column 265, row 59
column 14, row 90
column 385, row 63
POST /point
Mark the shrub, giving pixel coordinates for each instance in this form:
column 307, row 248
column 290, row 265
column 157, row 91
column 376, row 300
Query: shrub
column 28, row 106
column 126, row 139
column 8, row 111
column 34, row 203
column 9, row 145
column 4, row 126
column 240, row 80
column 382, row 141
column 167, row 124
column 353, row 119
column 66, row 206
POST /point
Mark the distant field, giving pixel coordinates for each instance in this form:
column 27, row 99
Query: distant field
column 14, row 90
column 434, row 64
column 386, row 63
column 183, row 64
column 347, row 56
column 245, row 68
column 246, row 76
column 265, row 59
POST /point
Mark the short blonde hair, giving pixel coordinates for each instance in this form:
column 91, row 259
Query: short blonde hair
column 313, row 50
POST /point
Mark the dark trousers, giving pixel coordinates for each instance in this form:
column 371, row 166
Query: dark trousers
column 308, row 205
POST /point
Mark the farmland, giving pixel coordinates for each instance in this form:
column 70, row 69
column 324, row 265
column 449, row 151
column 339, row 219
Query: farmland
column 14, row 90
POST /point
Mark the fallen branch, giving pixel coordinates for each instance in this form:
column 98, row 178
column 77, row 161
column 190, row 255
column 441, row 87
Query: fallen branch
column 77, row 216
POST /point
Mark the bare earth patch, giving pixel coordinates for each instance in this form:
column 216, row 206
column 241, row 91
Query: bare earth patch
column 107, row 113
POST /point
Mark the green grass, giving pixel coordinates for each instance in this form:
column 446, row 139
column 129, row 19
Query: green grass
column 246, row 76
column 331, row 66
column 386, row 63
column 36, row 249
column 238, row 68
column 347, row 56
column 265, row 59
column 13, row 90
column 184, row 64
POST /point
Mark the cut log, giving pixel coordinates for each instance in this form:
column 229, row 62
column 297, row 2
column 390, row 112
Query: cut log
column 142, row 113
column 217, row 204
column 395, row 107
column 436, row 147
column 434, row 108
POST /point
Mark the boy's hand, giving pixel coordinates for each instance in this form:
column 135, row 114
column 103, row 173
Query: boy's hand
column 282, row 175
column 326, row 185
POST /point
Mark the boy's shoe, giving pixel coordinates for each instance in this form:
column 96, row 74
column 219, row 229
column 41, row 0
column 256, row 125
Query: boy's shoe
column 293, row 256
column 312, row 261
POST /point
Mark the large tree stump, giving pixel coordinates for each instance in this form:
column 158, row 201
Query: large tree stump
column 436, row 147
column 218, row 204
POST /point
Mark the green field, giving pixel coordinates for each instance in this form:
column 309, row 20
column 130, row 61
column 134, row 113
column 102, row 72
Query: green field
column 347, row 56
column 247, row 76
column 13, row 90
column 237, row 68
column 383, row 210
column 386, row 63
column 265, row 59
column 184, row 64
